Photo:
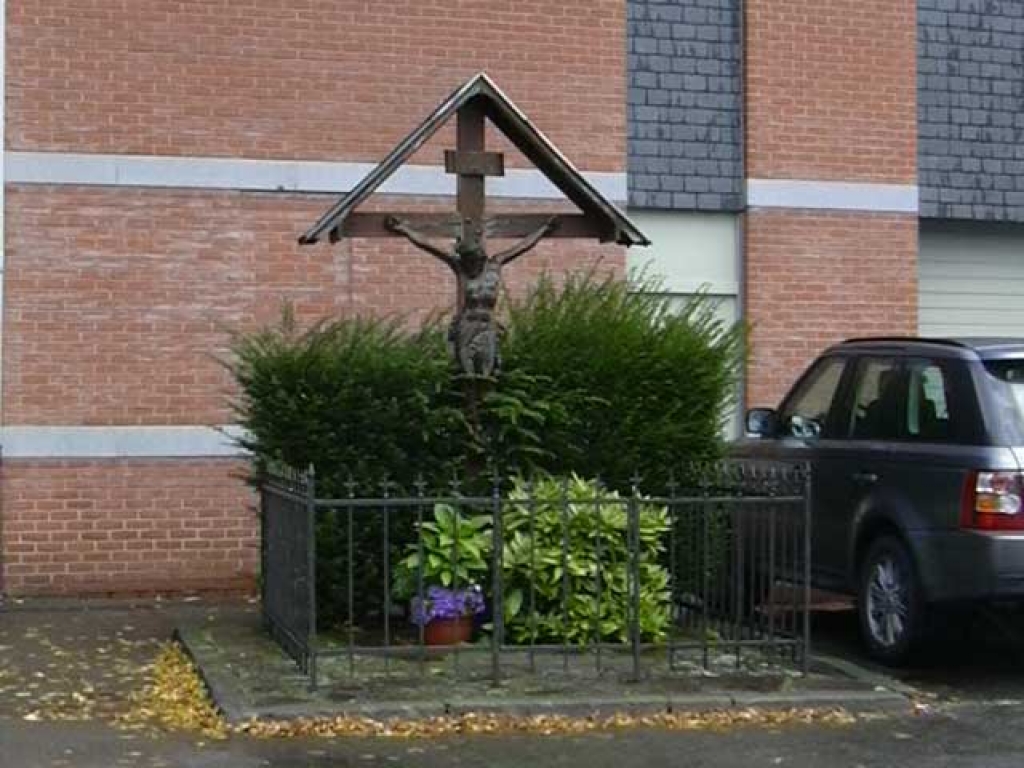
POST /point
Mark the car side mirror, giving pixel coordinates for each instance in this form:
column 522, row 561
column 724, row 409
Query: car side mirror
column 762, row 422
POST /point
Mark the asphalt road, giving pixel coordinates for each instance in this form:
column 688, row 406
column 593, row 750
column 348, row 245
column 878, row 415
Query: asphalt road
column 973, row 658
column 973, row 683
column 964, row 735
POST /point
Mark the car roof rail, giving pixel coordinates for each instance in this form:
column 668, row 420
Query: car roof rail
column 906, row 340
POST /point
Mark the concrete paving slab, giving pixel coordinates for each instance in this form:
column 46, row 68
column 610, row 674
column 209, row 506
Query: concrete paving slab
column 249, row 677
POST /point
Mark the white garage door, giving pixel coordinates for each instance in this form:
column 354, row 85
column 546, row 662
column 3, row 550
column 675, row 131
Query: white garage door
column 693, row 253
column 971, row 280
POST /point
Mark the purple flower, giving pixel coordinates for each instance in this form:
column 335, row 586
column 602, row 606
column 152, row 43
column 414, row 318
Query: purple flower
column 442, row 603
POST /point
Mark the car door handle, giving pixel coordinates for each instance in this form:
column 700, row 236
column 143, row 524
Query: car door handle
column 865, row 478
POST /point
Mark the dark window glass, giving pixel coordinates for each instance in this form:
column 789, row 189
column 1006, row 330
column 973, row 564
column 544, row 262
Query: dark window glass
column 805, row 414
column 878, row 401
column 928, row 417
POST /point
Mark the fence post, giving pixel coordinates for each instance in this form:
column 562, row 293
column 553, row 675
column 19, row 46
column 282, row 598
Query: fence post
column 262, row 485
column 705, row 598
column 350, row 486
column 808, row 502
column 634, row 539
column 421, row 486
column 311, row 644
column 497, row 574
column 386, row 494
column 564, row 515
column 737, row 519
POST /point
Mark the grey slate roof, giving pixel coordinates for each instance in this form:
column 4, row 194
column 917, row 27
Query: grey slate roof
column 685, row 149
column 971, row 109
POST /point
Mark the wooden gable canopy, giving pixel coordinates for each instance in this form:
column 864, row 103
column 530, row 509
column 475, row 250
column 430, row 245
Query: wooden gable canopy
column 599, row 217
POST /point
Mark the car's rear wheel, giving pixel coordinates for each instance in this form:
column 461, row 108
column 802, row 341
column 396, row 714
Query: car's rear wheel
column 890, row 602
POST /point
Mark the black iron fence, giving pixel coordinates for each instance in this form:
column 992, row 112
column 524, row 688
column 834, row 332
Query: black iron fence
column 288, row 562
column 539, row 576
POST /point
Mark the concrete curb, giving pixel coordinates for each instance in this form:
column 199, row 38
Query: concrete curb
column 231, row 700
column 226, row 696
column 861, row 674
column 853, row 701
column 101, row 604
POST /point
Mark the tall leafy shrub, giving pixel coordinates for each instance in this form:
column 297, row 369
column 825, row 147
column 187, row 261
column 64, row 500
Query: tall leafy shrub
column 600, row 376
column 566, row 564
column 357, row 398
column 631, row 382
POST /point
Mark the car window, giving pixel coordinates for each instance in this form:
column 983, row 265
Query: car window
column 1010, row 390
column 878, row 400
column 806, row 412
column 927, row 414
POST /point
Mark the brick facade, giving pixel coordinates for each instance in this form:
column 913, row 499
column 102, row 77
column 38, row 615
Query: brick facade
column 121, row 302
column 830, row 90
column 830, row 98
column 104, row 527
column 329, row 79
column 119, row 298
column 816, row 278
column 119, row 315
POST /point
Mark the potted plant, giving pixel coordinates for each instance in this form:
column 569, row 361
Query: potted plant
column 440, row 575
column 447, row 615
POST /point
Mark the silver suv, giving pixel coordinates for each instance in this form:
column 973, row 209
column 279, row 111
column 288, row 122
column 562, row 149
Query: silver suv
column 917, row 452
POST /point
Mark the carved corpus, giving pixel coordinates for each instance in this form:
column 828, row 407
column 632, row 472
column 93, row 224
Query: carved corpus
column 473, row 334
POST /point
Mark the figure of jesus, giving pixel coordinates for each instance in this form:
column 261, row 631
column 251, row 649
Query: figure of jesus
column 473, row 333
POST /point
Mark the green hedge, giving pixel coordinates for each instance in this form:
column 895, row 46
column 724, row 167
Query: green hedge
column 632, row 383
column 600, row 377
column 355, row 398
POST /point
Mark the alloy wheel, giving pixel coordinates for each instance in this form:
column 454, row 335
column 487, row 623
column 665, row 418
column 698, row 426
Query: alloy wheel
column 887, row 604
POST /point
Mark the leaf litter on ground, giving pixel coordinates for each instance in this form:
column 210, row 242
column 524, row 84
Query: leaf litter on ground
column 176, row 698
column 169, row 695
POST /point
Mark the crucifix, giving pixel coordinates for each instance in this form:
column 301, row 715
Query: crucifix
column 473, row 333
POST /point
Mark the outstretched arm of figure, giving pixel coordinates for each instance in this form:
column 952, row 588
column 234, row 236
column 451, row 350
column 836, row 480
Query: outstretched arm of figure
column 399, row 227
column 528, row 242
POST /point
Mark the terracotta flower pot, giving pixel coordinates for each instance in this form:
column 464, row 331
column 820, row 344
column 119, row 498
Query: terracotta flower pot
column 448, row 631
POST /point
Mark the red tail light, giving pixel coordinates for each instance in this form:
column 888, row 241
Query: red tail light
column 993, row 501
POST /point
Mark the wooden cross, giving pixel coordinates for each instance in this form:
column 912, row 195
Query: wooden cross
column 473, row 334
column 472, row 164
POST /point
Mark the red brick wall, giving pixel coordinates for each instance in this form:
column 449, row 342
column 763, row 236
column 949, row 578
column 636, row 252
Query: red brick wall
column 119, row 301
column 116, row 527
column 320, row 79
column 816, row 278
column 830, row 96
column 831, row 90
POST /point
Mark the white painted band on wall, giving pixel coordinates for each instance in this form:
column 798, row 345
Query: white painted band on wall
column 135, row 442
column 832, row 195
column 270, row 175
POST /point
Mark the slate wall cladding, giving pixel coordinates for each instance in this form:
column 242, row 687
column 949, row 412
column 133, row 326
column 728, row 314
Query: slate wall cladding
column 685, row 145
column 971, row 109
